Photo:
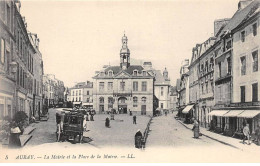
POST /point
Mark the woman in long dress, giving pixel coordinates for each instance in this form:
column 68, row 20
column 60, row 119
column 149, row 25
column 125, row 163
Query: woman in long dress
column 196, row 129
column 14, row 140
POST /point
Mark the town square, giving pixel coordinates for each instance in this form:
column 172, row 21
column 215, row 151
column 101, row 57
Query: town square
column 151, row 78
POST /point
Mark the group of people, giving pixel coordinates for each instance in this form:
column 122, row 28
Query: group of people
column 248, row 136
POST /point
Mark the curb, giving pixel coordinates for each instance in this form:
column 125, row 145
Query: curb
column 212, row 137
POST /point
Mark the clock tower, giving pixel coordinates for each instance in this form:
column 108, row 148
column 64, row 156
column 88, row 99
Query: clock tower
column 124, row 54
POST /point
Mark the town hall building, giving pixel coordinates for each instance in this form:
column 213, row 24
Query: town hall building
column 126, row 87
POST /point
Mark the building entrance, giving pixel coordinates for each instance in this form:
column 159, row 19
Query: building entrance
column 122, row 106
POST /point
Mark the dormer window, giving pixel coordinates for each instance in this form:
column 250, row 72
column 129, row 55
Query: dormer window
column 144, row 73
column 135, row 72
column 102, row 74
column 110, row 73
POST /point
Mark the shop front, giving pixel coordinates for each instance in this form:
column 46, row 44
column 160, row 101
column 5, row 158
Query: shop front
column 217, row 123
column 188, row 114
column 231, row 122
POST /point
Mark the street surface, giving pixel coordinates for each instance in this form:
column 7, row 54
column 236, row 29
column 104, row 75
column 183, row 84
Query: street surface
column 168, row 132
column 121, row 132
column 168, row 140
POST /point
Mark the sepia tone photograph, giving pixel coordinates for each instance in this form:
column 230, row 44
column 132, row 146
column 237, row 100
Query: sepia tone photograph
column 96, row 81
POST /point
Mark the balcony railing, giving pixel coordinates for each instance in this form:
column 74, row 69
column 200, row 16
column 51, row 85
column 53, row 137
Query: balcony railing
column 122, row 93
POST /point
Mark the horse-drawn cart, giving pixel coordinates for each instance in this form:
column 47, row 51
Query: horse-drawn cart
column 69, row 125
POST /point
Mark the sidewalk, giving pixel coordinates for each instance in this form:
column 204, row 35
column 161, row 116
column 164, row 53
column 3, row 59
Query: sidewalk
column 233, row 142
column 27, row 134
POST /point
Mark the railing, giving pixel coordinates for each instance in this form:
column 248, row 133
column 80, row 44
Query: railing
column 146, row 132
column 122, row 93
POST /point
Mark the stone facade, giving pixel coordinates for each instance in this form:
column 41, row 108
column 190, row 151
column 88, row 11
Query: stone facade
column 125, row 87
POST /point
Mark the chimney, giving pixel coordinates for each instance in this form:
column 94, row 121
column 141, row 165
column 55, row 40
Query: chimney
column 218, row 24
column 147, row 65
column 243, row 3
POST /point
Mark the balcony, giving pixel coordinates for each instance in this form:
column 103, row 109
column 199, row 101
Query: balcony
column 125, row 93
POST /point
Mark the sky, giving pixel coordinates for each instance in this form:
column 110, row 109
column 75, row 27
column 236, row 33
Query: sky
column 78, row 37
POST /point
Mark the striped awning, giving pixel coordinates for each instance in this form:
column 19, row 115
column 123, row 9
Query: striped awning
column 233, row 113
column 187, row 109
column 218, row 112
column 249, row 114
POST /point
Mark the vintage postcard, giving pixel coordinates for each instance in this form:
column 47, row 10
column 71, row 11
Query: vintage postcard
column 95, row 81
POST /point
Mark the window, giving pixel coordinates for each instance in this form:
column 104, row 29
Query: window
column 101, row 86
column 79, row 92
column 255, row 92
column 76, row 93
column 255, row 60
column 73, row 93
column 229, row 45
column 110, row 86
column 243, row 65
column 243, row 34
column 122, row 86
column 87, row 100
column 202, row 88
column 143, row 100
column 144, row 86
column 79, row 98
column 2, row 51
column 101, row 100
column 229, row 65
column 206, row 66
column 243, row 94
column 110, row 100
column 87, row 92
column 110, row 73
column 144, row 73
column 161, row 91
column 219, row 69
column 135, row 99
column 135, row 86
column 161, row 105
column 135, row 73
column 8, row 15
column 254, row 29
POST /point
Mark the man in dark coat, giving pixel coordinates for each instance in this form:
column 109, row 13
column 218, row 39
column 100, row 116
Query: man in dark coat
column 107, row 123
column 138, row 139
column 134, row 119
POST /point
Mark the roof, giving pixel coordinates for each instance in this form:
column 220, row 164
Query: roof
column 130, row 69
column 240, row 16
column 115, row 69
column 158, row 77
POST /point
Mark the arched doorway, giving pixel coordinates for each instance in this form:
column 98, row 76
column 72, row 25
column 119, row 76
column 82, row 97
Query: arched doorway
column 122, row 106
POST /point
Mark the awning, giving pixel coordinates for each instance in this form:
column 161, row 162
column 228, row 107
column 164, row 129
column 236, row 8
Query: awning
column 76, row 102
column 87, row 103
column 233, row 113
column 249, row 114
column 187, row 109
column 218, row 112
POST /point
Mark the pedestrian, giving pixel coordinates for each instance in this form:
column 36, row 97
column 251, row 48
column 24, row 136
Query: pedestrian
column 196, row 129
column 165, row 113
column 14, row 140
column 257, row 133
column 107, row 123
column 130, row 112
column 112, row 116
column 138, row 139
column 134, row 119
column 85, row 123
column 87, row 117
column 246, row 133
